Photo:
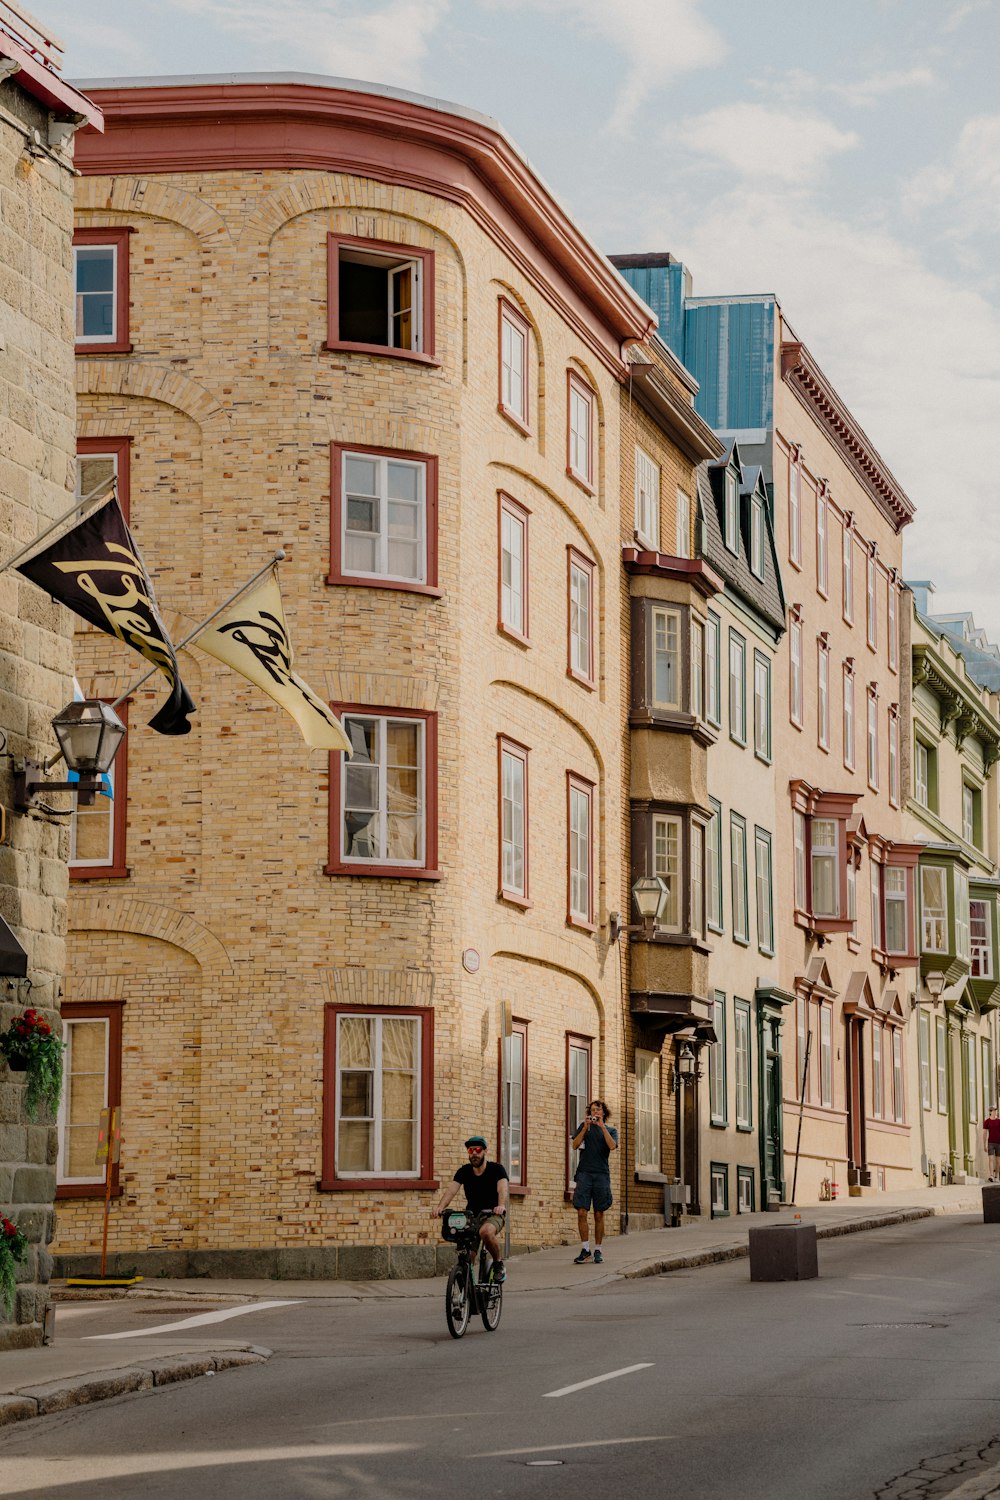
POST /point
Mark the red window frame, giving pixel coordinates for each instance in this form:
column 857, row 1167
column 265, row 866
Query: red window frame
column 575, row 381
column 118, row 869
column 121, row 447
column 110, row 1011
column 389, row 248
column 575, row 558
column 521, row 753
column 521, row 513
column 329, row 1181
column 336, row 864
column 507, row 310
column 586, row 1044
column 518, row 1186
column 575, row 782
column 336, row 575
column 119, row 237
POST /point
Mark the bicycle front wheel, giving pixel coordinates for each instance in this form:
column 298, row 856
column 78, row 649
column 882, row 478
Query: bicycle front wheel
column 458, row 1299
column 490, row 1299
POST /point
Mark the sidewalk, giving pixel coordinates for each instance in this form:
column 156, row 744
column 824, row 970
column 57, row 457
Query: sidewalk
column 34, row 1382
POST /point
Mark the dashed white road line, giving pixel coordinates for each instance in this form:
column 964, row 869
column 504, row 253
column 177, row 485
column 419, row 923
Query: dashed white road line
column 197, row 1321
column 581, row 1385
column 565, row 1447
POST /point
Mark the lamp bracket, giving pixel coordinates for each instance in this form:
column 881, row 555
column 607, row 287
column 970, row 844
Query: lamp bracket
column 29, row 783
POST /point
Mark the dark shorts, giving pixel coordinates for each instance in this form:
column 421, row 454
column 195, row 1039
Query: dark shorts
column 995, row 1148
column 593, row 1190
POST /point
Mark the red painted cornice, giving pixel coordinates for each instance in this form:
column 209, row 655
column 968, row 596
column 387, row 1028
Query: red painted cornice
column 693, row 570
column 289, row 126
column 800, row 371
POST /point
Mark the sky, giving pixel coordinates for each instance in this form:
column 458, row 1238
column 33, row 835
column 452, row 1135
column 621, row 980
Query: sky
column 844, row 156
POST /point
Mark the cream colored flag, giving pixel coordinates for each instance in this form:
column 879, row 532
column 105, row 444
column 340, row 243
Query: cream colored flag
column 252, row 638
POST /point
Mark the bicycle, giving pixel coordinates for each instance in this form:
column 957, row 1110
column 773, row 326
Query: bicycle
column 465, row 1290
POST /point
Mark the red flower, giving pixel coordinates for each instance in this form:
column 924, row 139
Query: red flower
column 9, row 1229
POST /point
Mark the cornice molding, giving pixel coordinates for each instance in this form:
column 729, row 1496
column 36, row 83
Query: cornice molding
column 690, row 432
column 958, row 702
column 281, row 125
column 801, row 373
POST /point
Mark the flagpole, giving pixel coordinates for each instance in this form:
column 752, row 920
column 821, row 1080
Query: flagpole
column 278, row 557
column 96, row 493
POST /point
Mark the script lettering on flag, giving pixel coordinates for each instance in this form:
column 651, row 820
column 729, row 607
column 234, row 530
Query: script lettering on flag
column 252, row 638
column 96, row 570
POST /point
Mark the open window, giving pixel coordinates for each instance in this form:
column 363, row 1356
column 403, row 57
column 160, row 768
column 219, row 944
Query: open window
column 381, row 297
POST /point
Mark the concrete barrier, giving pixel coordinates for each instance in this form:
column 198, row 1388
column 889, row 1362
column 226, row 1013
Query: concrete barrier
column 783, row 1252
column 991, row 1202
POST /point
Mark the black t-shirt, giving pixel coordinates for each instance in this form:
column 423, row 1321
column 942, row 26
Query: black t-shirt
column 481, row 1192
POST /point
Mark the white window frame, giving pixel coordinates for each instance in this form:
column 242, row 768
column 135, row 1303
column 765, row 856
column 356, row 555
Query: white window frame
column 941, row 1063
column 666, row 625
column 667, row 860
column 581, row 854
column 924, row 1057
column 731, row 513
column 934, row 914
column 823, row 694
column 800, row 848
column 718, row 1101
column 826, row 1056
column 383, row 721
column 713, row 868
column 742, row 1059
column 848, row 573
column 737, row 687
column 822, row 550
column 581, row 618
column 513, row 568
column 88, row 253
column 795, row 508
column 683, row 539
column 381, row 498
column 981, row 937
column 738, row 876
column 878, row 1072
column 892, row 627
column 896, row 888
column 963, row 946
column 921, row 773
column 872, row 602
column 795, row 673
column 513, row 819
column 697, row 667
column 893, row 759
column 377, row 1069
column 764, row 890
column 580, row 431
column 647, row 499
column 513, row 369
column 63, row 1178
column 395, row 267
column 648, row 1123
column 756, row 536
column 849, row 719
column 104, row 807
column 761, row 706
column 830, row 853
column 871, row 741
column 898, row 1076
column 713, row 666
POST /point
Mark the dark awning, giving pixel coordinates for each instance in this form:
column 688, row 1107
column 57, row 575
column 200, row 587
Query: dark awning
column 13, row 959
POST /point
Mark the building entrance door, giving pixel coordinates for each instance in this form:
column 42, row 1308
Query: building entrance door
column 857, row 1151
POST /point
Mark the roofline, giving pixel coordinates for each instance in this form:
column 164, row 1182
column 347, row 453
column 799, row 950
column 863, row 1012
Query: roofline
column 149, row 131
column 803, row 375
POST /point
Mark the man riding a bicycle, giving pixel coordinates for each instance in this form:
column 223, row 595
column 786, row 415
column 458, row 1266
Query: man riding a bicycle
column 485, row 1183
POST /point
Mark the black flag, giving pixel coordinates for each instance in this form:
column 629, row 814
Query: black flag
column 97, row 572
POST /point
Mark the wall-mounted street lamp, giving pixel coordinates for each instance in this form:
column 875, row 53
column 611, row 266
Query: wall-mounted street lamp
column 686, row 1063
column 90, row 734
column 935, row 984
column 650, row 893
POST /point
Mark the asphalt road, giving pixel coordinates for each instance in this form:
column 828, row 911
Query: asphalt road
column 720, row 1389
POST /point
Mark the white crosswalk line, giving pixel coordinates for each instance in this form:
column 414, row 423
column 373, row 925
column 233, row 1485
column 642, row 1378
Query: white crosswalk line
column 196, row 1322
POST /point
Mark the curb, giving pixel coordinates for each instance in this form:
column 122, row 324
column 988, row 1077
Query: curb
column 79, row 1390
column 739, row 1252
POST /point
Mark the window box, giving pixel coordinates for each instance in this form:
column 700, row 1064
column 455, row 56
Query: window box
column 383, row 519
column 92, row 1081
column 101, row 274
column 378, row 1098
column 945, row 938
column 820, row 858
column 97, row 833
column 893, row 884
column 380, row 298
column 515, row 346
column 380, row 823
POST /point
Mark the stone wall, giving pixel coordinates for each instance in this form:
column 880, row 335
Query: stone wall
column 37, row 416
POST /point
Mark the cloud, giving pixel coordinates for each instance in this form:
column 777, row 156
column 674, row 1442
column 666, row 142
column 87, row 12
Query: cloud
column 765, row 143
column 966, row 183
column 859, row 93
column 659, row 40
column 386, row 44
column 915, row 355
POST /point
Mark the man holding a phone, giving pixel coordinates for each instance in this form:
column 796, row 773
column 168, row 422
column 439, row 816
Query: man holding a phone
column 595, row 1140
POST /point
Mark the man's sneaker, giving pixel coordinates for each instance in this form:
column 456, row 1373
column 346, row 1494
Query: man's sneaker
column 583, row 1256
column 598, row 1258
column 499, row 1272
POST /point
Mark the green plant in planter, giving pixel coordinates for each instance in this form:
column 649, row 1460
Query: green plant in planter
column 13, row 1249
column 30, row 1047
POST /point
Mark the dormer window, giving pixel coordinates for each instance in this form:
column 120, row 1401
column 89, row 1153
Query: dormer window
column 732, row 515
column 757, row 536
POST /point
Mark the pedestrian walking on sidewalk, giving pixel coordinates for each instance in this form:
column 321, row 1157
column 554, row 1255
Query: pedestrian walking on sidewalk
column 595, row 1140
column 991, row 1143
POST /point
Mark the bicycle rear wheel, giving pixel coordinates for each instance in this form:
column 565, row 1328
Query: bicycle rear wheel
column 490, row 1296
column 458, row 1299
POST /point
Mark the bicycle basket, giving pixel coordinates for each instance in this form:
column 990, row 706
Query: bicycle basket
column 455, row 1225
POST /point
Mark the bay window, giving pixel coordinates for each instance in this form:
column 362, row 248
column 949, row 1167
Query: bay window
column 697, row 668
column 934, row 908
column 674, row 842
column 981, row 938
column 962, row 946
column 820, row 857
column 897, row 912
column 666, row 862
column 667, row 686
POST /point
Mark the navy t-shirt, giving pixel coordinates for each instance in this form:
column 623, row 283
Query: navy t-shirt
column 595, row 1151
column 481, row 1192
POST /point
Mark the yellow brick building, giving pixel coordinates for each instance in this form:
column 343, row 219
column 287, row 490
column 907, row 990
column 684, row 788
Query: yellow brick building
column 354, row 324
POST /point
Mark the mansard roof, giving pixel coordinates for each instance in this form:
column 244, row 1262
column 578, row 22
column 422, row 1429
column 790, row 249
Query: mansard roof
column 763, row 597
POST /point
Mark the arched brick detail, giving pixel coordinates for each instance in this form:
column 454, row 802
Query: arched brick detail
column 107, row 377
column 101, row 913
column 133, row 196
